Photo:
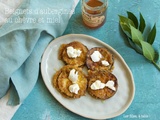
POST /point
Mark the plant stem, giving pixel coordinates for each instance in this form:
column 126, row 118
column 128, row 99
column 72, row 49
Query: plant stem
column 157, row 66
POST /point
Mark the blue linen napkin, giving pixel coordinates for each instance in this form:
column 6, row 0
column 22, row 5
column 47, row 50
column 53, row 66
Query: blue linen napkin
column 23, row 40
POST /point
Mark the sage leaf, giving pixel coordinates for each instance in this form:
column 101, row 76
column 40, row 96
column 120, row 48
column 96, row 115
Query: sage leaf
column 159, row 55
column 157, row 64
column 125, row 25
column 148, row 50
column 133, row 18
column 126, row 30
column 142, row 23
column 152, row 35
column 126, row 20
column 158, row 60
column 135, row 46
column 136, row 35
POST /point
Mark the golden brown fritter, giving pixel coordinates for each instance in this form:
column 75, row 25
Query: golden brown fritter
column 106, row 55
column 79, row 61
column 104, row 76
column 61, row 81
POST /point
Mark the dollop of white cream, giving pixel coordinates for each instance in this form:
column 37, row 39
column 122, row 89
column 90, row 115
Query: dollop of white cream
column 74, row 88
column 110, row 84
column 97, row 85
column 105, row 63
column 73, row 75
column 96, row 56
column 73, row 53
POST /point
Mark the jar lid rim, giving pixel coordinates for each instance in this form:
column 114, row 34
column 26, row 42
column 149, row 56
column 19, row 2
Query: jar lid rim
column 95, row 8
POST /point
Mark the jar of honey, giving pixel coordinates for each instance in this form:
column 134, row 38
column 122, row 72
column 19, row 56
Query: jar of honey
column 94, row 12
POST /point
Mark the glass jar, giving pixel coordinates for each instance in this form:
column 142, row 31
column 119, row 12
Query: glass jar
column 94, row 12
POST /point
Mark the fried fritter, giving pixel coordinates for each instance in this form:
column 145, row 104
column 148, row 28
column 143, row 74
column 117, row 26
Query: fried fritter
column 104, row 76
column 61, row 81
column 106, row 56
column 79, row 61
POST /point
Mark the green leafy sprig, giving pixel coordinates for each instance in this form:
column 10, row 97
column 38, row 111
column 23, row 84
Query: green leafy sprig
column 134, row 31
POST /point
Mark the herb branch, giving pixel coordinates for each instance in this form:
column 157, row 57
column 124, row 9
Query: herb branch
column 134, row 31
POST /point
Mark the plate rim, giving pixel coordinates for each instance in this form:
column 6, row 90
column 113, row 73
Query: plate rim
column 108, row 46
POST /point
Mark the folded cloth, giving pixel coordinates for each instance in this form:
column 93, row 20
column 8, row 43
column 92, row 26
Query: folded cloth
column 23, row 39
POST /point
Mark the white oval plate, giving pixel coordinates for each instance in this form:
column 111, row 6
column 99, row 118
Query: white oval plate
column 87, row 106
